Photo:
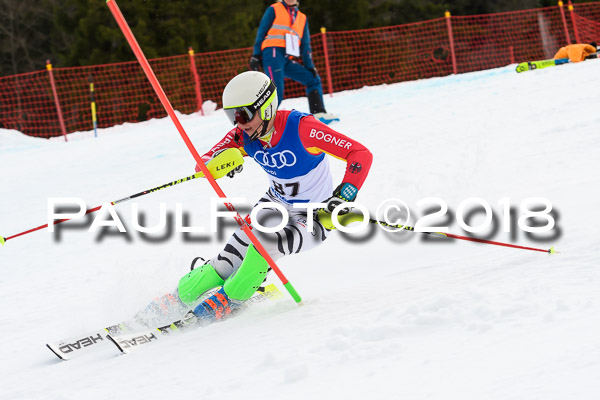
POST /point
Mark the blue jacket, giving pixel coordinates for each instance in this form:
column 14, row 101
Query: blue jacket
column 265, row 25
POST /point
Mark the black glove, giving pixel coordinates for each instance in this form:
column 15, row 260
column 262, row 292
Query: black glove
column 234, row 171
column 313, row 71
column 345, row 192
column 255, row 62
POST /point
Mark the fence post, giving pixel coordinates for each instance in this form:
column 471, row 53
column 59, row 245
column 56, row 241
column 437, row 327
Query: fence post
column 451, row 37
column 326, row 54
column 564, row 20
column 573, row 21
column 58, row 110
column 196, row 80
column 511, row 51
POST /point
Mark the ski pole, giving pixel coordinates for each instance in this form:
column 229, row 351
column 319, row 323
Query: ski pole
column 135, row 47
column 349, row 218
column 91, row 210
column 217, row 167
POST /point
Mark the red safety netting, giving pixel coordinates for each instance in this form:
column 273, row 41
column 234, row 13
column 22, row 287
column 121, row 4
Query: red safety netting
column 587, row 30
column 385, row 55
column 122, row 93
column 350, row 60
column 490, row 41
column 590, row 11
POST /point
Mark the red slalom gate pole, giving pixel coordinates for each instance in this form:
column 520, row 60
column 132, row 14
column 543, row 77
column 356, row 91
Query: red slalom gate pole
column 451, row 39
column 326, row 54
column 571, row 12
column 116, row 12
column 196, row 80
column 61, row 121
column 564, row 21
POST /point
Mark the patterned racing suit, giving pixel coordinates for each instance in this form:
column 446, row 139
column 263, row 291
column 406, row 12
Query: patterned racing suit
column 295, row 160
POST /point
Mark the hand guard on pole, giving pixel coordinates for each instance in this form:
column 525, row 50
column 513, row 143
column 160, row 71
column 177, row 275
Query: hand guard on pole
column 223, row 162
column 234, row 171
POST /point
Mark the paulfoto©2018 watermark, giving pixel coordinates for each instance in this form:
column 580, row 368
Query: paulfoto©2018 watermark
column 535, row 215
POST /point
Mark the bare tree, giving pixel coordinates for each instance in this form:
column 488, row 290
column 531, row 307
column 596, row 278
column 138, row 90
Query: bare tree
column 23, row 39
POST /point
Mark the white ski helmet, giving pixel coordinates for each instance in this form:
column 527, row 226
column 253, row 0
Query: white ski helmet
column 248, row 93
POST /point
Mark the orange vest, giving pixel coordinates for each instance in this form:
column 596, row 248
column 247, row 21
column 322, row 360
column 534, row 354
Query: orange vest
column 575, row 52
column 282, row 25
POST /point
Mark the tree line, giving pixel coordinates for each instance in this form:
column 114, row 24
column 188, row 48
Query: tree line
column 77, row 33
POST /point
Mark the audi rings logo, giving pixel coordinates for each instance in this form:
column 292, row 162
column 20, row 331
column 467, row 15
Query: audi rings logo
column 276, row 160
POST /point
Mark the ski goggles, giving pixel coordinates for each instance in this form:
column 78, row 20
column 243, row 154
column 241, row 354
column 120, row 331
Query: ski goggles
column 244, row 114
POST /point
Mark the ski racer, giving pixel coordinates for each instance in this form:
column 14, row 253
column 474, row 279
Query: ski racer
column 291, row 147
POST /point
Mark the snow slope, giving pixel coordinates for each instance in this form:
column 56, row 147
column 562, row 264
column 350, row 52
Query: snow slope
column 385, row 315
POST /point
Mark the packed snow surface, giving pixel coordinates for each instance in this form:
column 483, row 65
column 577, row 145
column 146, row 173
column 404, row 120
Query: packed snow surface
column 385, row 315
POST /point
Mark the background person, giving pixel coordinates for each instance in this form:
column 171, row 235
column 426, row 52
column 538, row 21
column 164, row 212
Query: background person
column 282, row 37
column 577, row 52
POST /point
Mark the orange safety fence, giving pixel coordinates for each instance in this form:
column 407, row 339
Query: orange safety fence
column 350, row 60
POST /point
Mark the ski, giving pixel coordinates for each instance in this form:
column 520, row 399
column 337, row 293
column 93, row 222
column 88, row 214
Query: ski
column 531, row 65
column 75, row 346
column 67, row 349
column 128, row 342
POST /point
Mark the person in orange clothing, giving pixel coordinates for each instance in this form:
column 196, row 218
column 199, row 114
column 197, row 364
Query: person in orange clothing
column 282, row 39
column 577, row 52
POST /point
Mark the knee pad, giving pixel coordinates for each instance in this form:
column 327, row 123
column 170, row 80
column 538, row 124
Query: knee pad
column 247, row 279
column 197, row 282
